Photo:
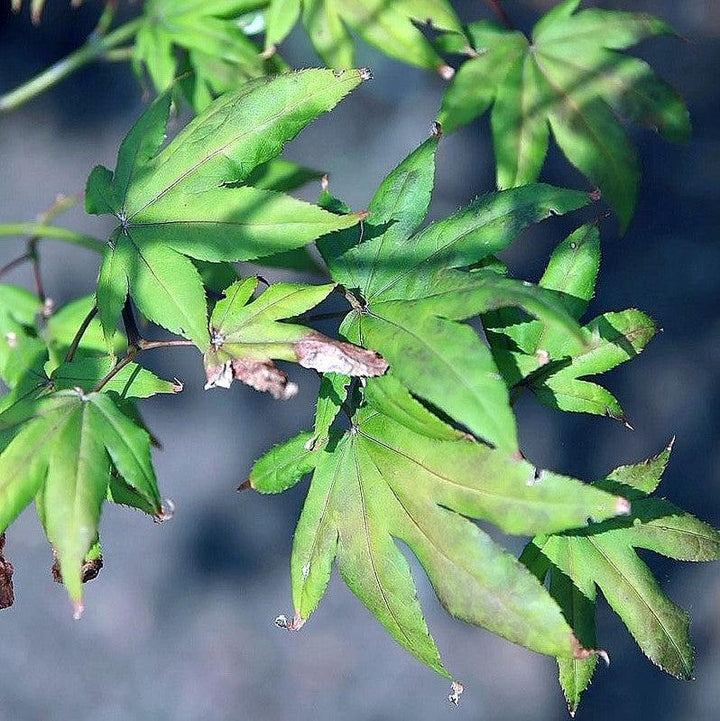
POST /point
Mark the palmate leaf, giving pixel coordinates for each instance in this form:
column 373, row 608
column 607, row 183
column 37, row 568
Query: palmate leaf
column 211, row 38
column 413, row 289
column 542, row 360
column 602, row 555
column 380, row 482
column 386, row 24
column 568, row 78
column 246, row 337
column 63, row 451
column 172, row 203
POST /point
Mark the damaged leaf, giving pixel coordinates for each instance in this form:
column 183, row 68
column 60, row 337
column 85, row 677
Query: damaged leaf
column 245, row 337
column 64, row 448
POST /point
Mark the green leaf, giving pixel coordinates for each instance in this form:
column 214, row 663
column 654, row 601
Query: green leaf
column 569, row 79
column 246, row 338
column 389, row 26
column 132, row 381
column 64, row 449
column 412, row 289
column 210, row 38
column 602, row 555
column 542, row 358
column 284, row 465
column 172, row 202
column 380, row 482
column 613, row 338
column 63, row 324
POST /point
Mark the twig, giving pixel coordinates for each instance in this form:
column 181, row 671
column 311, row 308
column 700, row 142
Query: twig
column 497, row 8
column 80, row 333
column 13, row 264
column 136, row 344
column 95, row 47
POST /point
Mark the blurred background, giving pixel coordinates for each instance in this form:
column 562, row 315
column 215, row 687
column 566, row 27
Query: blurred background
column 179, row 625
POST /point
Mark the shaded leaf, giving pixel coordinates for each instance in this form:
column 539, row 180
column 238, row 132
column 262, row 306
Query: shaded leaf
column 567, row 78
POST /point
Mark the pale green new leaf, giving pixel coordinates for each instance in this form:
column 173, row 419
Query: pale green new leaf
column 568, row 79
column 602, row 555
column 174, row 202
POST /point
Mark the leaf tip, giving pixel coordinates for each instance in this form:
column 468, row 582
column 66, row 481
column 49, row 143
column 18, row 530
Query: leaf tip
column 293, row 624
column 445, row 71
column 365, row 74
column 595, row 195
column 244, row 486
column 166, row 512
column 78, row 609
column 437, row 130
column 456, row 690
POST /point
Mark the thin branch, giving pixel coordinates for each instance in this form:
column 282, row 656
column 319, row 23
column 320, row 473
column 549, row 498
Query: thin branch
column 13, row 264
column 95, row 47
column 80, row 333
column 152, row 344
column 497, row 8
column 132, row 351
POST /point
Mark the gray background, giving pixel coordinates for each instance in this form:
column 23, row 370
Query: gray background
column 179, row 624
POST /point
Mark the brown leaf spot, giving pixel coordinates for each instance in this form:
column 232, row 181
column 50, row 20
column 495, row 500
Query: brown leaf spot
column 7, row 594
column 333, row 356
column 90, row 569
column 263, row 375
column 581, row 654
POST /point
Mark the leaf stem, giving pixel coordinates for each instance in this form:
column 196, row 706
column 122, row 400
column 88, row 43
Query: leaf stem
column 13, row 264
column 498, row 9
column 80, row 333
column 136, row 344
column 39, row 230
column 95, row 47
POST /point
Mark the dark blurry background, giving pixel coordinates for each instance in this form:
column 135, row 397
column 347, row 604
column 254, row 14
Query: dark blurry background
column 179, row 624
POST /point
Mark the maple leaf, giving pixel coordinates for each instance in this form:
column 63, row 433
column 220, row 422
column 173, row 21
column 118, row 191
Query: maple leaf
column 380, row 481
column 542, row 360
column 172, row 203
column 568, row 78
column 412, row 287
column 246, row 337
column 386, row 25
column 603, row 556
column 60, row 449
column 212, row 36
